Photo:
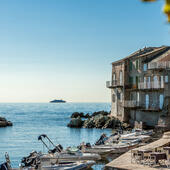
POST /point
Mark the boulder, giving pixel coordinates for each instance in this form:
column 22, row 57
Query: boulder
column 9, row 123
column 75, row 122
column 77, row 114
column 4, row 122
column 100, row 113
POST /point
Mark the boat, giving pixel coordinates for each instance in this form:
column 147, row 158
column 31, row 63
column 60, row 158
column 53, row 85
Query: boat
column 58, row 101
column 117, row 143
column 35, row 162
column 58, row 153
column 79, row 165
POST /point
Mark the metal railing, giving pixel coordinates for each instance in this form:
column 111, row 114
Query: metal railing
column 159, row 65
column 131, row 103
column 151, row 85
column 141, row 105
column 113, row 83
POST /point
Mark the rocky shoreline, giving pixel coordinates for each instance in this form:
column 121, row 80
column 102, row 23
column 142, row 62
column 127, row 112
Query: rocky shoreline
column 4, row 122
column 101, row 119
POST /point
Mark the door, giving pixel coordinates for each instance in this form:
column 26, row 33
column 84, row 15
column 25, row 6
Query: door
column 162, row 81
column 121, row 78
column 137, row 81
column 156, row 82
column 147, row 101
column 161, row 101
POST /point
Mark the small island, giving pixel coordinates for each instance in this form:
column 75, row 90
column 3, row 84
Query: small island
column 4, row 122
column 58, row 101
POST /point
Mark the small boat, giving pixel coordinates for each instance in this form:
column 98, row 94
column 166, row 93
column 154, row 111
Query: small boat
column 117, row 143
column 71, row 153
column 58, row 101
column 35, row 162
column 69, row 166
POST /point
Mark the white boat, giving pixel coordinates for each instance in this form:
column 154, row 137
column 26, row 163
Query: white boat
column 70, row 166
column 71, row 153
column 65, row 156
column 123, row 143
column 78, row 165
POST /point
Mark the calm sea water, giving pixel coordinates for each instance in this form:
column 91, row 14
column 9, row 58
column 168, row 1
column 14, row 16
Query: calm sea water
column 30, row 120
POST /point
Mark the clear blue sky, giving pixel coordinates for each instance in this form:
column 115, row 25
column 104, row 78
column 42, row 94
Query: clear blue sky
column 63, row 48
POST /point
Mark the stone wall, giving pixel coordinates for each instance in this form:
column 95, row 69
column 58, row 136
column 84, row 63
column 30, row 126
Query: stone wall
column 117, row 94
column 149, row 118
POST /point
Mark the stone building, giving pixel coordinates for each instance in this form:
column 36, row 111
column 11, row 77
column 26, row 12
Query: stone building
column 140, row 88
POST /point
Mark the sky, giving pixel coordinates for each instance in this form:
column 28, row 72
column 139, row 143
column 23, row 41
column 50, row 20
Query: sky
column 63, row 49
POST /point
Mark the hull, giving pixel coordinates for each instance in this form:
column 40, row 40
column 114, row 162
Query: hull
column 100, row 151
column 71, row 166
column 63, row 166
column 70, row 157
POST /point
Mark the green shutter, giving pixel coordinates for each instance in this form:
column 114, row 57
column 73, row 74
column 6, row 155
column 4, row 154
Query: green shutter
column 137, row 64
column 130, row 66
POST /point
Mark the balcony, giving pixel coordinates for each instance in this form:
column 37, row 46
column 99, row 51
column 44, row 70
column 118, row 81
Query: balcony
column 114, row 84
column 159, row 65
column 132, row 104
column 151, row 85
column 151, row 108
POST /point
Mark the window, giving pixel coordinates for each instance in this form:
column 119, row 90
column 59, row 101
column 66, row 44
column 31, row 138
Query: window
column 114, row 76
column 137, row 64
column 156, row 82
column 130, row 80
column 113, row 98
column 162, row 81
column 121, row 96
column 145, row 67
column 161, row 101
column 166, row 79
column 118, row 95
column 114, row 79
column 138, row 97
column 147, row 101
column 130, row 66
column 121, row 78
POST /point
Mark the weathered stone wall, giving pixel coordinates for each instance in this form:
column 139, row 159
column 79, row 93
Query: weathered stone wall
column 117, row 93
column 149, row 118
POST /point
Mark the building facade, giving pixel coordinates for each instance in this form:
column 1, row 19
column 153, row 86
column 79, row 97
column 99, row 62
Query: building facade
column 140, row 88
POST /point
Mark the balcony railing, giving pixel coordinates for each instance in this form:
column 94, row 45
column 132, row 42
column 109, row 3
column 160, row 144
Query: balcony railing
column 159, row 65
column 131, row 103
column 151, row 85
column 112, row 84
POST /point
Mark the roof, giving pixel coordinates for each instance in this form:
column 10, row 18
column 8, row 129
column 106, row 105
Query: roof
column 143, row 52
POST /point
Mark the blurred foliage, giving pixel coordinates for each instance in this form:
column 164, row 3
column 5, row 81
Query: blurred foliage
column 166, row 8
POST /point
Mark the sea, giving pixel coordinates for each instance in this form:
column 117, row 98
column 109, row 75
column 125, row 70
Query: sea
column 33, row 119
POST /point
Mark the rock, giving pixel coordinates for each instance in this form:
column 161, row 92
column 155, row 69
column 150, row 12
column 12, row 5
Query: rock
column 89, row 123
column 100, row 113
column 2, row 119
column 87, row 115
column 4, row 122
column 9, row 123
column 75, row 122
column 101, row 119
column 80, row 114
